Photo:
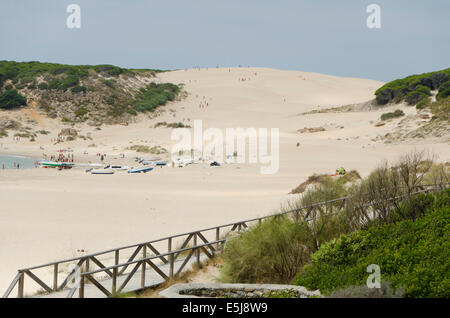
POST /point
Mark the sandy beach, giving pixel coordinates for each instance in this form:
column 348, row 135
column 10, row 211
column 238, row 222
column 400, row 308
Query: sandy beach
column 48, row 214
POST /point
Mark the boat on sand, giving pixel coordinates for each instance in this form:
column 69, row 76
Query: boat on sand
column 139, row 170
column 102, row 171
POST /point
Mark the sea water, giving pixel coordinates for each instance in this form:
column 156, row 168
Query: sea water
column 8, row 161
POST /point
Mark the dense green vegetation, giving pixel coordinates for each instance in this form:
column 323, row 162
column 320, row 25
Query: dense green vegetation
column 414, row 88
column 10, row 99
column 441, row 109
column 62, row 76
column 395, row 114
column 444, row 91
column 98, row 94
column 270, row 252
column 154, row 95
column 274, row 250
column 413, row 255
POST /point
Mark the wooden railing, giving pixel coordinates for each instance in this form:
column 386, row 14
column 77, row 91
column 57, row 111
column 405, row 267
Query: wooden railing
column 199, row 245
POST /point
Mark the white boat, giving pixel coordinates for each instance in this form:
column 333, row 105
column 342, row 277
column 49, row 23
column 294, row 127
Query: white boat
column 117, row 167
column 183, row 162
column 102, row 171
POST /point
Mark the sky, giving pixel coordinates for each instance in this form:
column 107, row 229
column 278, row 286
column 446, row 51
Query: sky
column 322, row 36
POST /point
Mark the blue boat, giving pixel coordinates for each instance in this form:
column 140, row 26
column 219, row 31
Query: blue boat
column 139, row 170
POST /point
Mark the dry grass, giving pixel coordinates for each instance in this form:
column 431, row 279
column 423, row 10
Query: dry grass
column 350, row 176
column 314, row 179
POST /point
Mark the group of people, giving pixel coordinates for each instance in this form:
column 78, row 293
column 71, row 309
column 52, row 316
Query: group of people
column 15, row 165
column 203, row 103
column 102, row 156
column 61, row 158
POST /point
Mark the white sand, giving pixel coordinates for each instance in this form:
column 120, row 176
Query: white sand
column 47, row 214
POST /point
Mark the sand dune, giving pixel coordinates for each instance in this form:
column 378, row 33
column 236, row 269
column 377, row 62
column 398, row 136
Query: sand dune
column 47, row 214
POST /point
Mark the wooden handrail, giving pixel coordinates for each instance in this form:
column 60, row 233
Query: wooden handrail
column 172, row 255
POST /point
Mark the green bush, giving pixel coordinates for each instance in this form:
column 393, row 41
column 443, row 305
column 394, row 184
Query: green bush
column 424, row 103
column 271, row 252
column 414, row 207
column 423, row 89
column 110, row 100
column 30, row 70
column 411, row 254
column 154, row 95
column 80, row 112
column 11, row 99
column 395, row 114
column 78, row 89
column 43, row 85
column 397, row 90
column 413, row 98
column 54, row 84
column 444, row 91
column 110, row 83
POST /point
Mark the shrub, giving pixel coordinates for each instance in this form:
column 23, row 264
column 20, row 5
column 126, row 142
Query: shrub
column 395, row 114
column 424, row 103
column 287, row 293
column 43, row 85
column 367, row 204
column 413, row 98
column 110, row 100
column 78, row 89
column 423, row 89
column 441, row 109
column 444, row 91
column 411, row 254
column 438, row 174
column 157, row 150
column 80, row 112
column 177, row 125
column 420, row 84
column 110, row 83
column 271, row 252
column 154, row 95
column 11, row 99
column 413, row 208
column 385, row 291
column 54, row 84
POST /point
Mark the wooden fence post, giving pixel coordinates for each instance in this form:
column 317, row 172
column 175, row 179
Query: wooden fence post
column 55, row 277
column 21, row 283
column 81, row 287
column 197, row 250
column 217, row 237
column 171, row 258
column 114, row 278
column 87, row 264
column 144, row 255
